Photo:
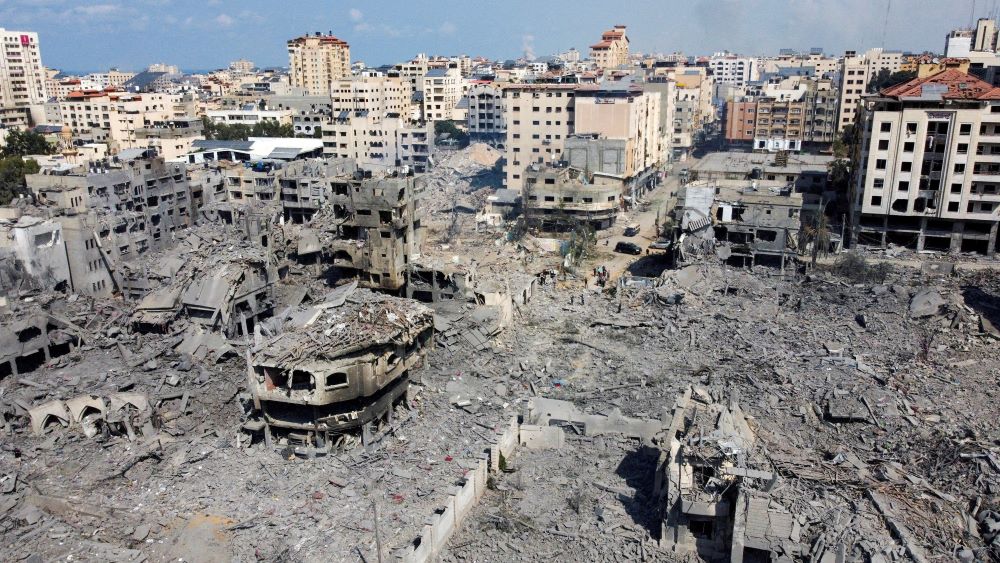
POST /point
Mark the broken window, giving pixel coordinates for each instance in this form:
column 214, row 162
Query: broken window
column 701, row 528
column 767, row 235
column 301, row 380
column 29, row 334
column 335, row 380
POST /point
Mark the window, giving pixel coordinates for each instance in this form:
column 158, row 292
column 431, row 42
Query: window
column 965, row 129
column 911, row 128
column 908, row 147
column 885, row 127
column 878, row 183
column 880, row 164
column 956, row 188
column 963, row 148
column 903, row 186
column 906, row 166
column 876, row 200
column 550, row 198
column 883, row 145
column 960, row 168
column 953, row 206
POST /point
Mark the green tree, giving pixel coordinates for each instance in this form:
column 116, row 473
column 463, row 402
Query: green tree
column 240, row 132
column 885, row 78
column 12, row 172
column 22, row 143
column 448, row 130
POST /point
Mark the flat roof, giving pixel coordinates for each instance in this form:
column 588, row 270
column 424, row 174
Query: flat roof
column 743, row 162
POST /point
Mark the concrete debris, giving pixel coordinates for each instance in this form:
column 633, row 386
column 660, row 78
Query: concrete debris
column 359, row 351
column 926, row 302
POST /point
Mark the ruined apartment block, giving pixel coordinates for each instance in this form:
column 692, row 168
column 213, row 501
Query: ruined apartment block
column 714, row 479
column 337, row 365
column 558, row 197
column 206, row 280
column 744, row 223
column 30, row 336
column 376, row 227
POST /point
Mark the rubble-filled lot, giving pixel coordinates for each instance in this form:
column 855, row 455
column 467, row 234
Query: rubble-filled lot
column 856, row 389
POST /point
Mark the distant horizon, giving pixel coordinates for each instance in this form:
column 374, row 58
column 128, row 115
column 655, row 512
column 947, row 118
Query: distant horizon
column 110, row 33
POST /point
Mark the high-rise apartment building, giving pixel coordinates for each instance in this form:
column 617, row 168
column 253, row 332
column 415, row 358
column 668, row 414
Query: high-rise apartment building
column 379, row 95
column 733, row 70
column 539, row 118
column 857, row 71
column 315, row 61
column 486, row 114
column 930, row 165
column 22, row 78
column 443, row 90
column 612, row 50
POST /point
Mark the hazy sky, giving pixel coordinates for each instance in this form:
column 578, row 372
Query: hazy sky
column 203, row 34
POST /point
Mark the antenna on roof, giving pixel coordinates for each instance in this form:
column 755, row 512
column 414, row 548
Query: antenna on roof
column 885, row 23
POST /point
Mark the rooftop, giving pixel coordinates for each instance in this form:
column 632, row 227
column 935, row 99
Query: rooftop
column 949, row 84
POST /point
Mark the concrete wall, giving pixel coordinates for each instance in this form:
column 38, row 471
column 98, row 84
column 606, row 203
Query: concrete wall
column 439, row 527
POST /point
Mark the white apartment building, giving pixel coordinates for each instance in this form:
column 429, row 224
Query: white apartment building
column 857, row 71
column 250, row 114
column 486, row 114
column 539, row 118
column 377, row 140
column 442, row 91
column 733, row 70
column 412, row 71
column 930, row 172
column 315, row 61
column 379, row 95
column 114, row 118
column 22, row 79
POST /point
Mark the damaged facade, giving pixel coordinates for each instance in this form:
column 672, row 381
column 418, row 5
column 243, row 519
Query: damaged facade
column 743, row 223
column 713, row 477
column 335, row 365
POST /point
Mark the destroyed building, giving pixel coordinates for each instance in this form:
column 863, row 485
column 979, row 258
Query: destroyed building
column 112, row 210
column 375, row 225
column 713, row 479
column 743, row 223
column 338, row 364
column 215, row 285
column 557, row 197
column 31, row 336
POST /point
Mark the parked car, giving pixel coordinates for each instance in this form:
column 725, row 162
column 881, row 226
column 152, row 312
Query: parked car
column 628, row 248
column 631, row 230
column 660, row 245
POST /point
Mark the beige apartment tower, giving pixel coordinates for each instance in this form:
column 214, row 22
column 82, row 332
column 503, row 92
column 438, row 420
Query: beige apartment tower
column 539, row 118
column 930, row 166
column 22, row 77
column 315, row 61
column 612, row 50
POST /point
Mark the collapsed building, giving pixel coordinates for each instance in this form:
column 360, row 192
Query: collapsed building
column 338, row 364
column 31, row 336
column 741, row 222
column 713, row 478
column 211, row 283
column 109, row 211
